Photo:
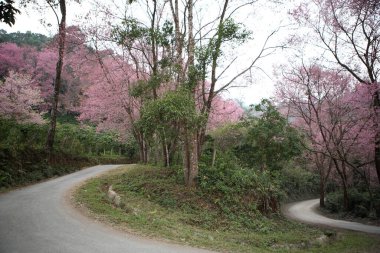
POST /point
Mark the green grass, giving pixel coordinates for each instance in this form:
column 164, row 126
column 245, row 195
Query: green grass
column 156, row 205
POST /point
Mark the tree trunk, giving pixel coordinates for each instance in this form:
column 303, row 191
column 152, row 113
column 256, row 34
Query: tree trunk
column 345, row 196
column 57, row 83
column 141, row 152
column 376, row 107
column 165, row 153
column 186, row 159
column 193, row 173
column 213, row 156
column 145, row 152
column 321, row 194
column 191, row 160
column 142, row 146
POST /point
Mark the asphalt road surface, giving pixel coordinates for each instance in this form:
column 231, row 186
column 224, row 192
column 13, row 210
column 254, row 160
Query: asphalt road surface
column 306, row 211
column 39, row 219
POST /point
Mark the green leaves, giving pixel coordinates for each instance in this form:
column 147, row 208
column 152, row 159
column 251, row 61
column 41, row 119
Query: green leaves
column 228, row 32
column 234, row 32
column 128, row 31
column 174, row 109
column 8, row 12
column 131, row 30
column 270, row 140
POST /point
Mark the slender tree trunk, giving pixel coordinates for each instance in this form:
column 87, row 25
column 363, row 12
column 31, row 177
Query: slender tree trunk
column 165, row 153
column 193, row 173
column 376, row 102
column 57, row 83
column 191, row 139
column 321, row 193
column 186, row 158
column 345, row 192
column 343, row 177
column 324, row 175
column 145, row 152
column 345, row 196
column 178, row 39
column 213, row 156
column 142, row 150
column 191, row 159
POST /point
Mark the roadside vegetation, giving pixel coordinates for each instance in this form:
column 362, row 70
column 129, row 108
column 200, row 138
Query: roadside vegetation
column 155, row 203
column 23, row 157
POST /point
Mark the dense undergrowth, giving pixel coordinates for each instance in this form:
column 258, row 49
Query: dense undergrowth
column 361, row 204
column 23, row 159
column 155, row 203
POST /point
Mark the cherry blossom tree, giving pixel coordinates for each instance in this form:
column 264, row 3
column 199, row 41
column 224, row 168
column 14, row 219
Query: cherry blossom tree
column 12, row 57
column 107, row 101
column 325, row 105
column 348, row 30
column 19, row 98
column 40, row 65
column 224, row 111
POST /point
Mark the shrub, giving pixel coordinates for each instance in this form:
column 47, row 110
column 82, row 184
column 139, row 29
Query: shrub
column 240, row 188
column 298, row 183
column 359, row 202
column 23, row 158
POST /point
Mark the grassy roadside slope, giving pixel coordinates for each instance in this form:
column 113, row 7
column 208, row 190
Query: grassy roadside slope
column 27, row 167
column 155, row 205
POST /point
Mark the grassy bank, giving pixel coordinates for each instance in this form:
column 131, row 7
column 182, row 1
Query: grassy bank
column 23, row 156
column 155, row 204
column 30, row 166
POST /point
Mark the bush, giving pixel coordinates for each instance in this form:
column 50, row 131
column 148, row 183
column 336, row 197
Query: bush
column 359, row 202
column 334, row 202
column 23, row 158
column 240, row 189
column 70, row 138
column 298, row 183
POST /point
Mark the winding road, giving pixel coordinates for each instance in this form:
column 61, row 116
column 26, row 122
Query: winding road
column 306, row 211
column 38, row 219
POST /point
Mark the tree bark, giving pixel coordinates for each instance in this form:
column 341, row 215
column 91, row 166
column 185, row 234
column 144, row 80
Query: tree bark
column 165, row 152
column 343, row 177
column 57, row 84
column 190, row 159
column 321, row 194
column 193, row 173
column 376, row 108
column 345, row 196
column 186, row 158
column 142, row 147
column 213, row 156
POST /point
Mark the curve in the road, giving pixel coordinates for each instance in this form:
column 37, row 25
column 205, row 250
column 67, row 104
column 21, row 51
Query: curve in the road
column 306, row 211
column 38, row 219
